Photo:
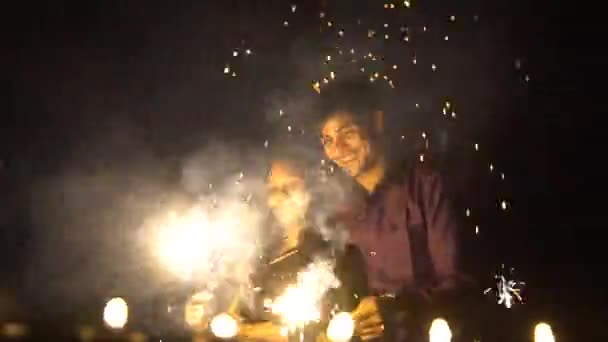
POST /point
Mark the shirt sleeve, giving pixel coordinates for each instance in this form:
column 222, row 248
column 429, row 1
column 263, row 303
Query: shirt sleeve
column 441, row 227
column 350, row 269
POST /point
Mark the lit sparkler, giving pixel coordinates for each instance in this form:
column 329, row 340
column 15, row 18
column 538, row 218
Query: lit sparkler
column 508, row 291
column 300, row 303
column 216, row 244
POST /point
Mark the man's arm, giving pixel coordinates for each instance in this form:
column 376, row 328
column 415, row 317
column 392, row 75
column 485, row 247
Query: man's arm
column 426, row 190
column 441, row 228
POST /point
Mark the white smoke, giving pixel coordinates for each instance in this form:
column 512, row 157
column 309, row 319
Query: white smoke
column 216, row 240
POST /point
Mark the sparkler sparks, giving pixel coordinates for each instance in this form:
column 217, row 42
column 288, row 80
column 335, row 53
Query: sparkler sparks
column 216, row 243
column 508, row 291
column 300, row 303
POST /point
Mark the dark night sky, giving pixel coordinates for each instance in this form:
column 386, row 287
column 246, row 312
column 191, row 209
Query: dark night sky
column 78, row 74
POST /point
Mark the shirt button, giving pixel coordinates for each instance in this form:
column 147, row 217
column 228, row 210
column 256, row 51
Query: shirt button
column 372, row 253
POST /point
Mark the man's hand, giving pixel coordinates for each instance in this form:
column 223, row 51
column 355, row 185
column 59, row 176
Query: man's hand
column 368, row 321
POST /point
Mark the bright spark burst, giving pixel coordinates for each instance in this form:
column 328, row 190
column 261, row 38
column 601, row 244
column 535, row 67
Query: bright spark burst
column 300, row 303
column 217, row 242
column 508, row 291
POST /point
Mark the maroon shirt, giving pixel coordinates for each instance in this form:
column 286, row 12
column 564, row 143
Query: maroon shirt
column 405, row 230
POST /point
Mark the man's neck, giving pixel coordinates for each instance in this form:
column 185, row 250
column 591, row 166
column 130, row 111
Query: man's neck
column 370, row 179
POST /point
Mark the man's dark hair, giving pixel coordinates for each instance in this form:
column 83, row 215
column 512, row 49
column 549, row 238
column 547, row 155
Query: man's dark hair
column 358, row 96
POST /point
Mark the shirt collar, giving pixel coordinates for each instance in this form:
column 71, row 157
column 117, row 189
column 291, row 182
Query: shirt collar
column 394, row 174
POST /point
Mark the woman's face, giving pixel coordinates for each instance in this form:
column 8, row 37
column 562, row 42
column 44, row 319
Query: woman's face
column 288, row 197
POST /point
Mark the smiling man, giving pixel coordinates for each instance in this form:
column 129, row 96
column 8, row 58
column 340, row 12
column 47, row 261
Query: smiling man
column 403, row 223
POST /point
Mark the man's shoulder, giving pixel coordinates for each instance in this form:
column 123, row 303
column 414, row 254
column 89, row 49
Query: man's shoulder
column 412, row 171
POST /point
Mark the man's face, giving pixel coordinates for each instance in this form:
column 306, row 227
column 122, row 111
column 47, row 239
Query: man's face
column 288, row 197
column 346, row 144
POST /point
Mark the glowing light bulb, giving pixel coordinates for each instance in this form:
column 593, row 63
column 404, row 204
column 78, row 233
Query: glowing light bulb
column 224, row 326
column 341, row 327
column 543, row 333
column 116, row 313
column 440, row 331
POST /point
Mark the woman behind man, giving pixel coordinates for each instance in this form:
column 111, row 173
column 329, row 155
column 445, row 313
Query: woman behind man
column 296, row 242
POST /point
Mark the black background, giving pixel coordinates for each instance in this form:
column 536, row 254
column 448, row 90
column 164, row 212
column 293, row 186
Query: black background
column 73, row 69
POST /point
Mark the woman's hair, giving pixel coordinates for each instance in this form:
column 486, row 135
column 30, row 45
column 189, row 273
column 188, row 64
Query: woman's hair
column 300, row 156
